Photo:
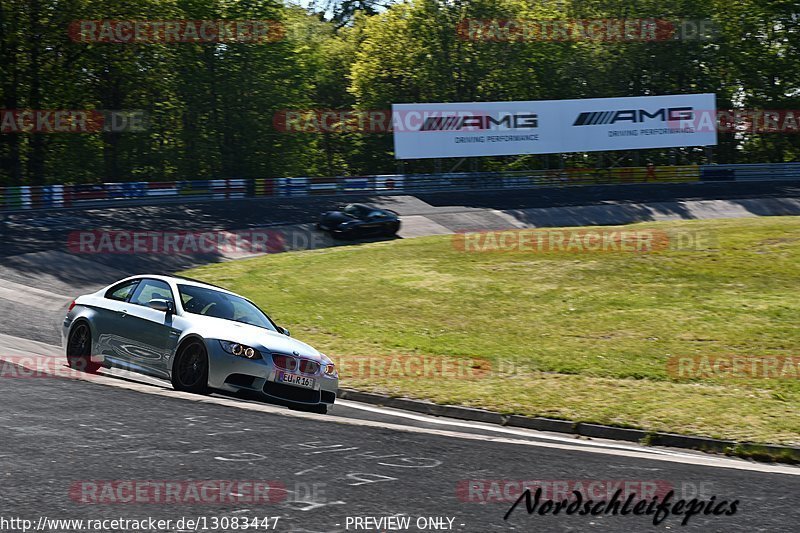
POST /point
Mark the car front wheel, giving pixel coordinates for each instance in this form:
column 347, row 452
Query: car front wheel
column 190, row 370
column 345, row 235
column 392, row 229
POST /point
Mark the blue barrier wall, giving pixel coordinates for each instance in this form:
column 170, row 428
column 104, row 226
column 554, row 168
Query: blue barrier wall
column 109, row 194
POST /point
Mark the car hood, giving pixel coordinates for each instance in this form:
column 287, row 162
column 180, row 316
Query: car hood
column 261, row 339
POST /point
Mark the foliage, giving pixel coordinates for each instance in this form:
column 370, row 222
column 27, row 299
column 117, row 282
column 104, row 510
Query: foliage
column 211, row 106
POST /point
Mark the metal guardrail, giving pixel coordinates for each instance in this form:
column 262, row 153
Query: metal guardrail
column 140, row 193
column 751, row 172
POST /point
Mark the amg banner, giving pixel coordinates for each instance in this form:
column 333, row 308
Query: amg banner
column 474, row 129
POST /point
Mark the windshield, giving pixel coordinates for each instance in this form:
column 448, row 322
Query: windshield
column 354, row 210
column 208, row 302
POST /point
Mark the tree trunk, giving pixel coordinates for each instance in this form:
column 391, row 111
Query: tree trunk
column 11, row 161
column 36, row 163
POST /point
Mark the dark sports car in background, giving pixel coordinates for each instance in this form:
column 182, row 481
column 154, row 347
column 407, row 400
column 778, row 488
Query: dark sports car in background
column 359, row 220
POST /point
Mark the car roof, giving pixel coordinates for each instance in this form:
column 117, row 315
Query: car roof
column 181, row 280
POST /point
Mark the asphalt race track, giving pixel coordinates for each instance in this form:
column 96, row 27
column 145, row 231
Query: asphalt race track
column 67, row 444
column 57, row 433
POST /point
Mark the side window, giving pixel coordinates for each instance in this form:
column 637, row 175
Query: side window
column 356, row 210
column 122, row 291
column 186, row 298
column 150, row 289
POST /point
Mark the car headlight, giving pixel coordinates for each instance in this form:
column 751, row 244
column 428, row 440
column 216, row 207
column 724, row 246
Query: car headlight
column 328, row 368
column 240, row 350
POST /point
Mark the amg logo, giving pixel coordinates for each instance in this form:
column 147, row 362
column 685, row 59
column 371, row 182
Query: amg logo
column 593, row 118
column 481, row 122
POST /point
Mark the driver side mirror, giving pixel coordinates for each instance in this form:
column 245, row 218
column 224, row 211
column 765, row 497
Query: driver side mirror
column 159, row 304
column 284, row 331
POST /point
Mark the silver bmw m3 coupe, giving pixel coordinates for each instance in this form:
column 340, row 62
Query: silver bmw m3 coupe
column 198, row 336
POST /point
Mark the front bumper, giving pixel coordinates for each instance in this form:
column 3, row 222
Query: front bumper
column 234, row 374
column 65, row 327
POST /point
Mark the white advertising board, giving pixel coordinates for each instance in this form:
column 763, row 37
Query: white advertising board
column 474, row 129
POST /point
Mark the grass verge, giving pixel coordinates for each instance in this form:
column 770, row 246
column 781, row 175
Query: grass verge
column 587, row 337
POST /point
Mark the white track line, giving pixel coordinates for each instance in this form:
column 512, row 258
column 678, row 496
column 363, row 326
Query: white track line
column 521, row 432
column 32, row 297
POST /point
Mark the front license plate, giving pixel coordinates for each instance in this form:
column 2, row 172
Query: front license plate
column 294, row 379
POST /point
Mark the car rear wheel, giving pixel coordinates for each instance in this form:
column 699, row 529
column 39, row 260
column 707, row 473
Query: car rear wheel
column 79, row 350
column 343, row 236
column 190, row 370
